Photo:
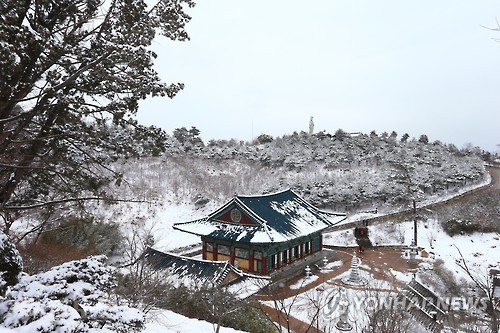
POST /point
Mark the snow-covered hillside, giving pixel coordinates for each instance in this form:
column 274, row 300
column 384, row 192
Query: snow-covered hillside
column 188, row 187
column 339, row 172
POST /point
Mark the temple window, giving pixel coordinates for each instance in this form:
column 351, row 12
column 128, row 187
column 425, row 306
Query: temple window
column 241, row 253
column 257, row 255
column 224, row 249
column 209, row 247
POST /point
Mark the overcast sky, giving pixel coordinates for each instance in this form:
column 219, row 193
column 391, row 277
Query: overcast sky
column 417, row 67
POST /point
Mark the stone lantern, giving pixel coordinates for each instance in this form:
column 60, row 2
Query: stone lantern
column 308, row 271
column 343, row 306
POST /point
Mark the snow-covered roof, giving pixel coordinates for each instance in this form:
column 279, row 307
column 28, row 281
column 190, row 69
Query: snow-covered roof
column 192, row 272
column 277, row 217
column 189, row 271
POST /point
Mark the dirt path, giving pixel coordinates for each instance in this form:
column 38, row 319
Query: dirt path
column 379, row 260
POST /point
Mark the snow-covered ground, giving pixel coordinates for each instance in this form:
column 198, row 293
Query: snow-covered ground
column 158, row 219
column 322, row 305
column 480, row 250
column 166, row 321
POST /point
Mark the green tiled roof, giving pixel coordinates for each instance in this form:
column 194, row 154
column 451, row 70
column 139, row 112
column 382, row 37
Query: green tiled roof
column 278, row 217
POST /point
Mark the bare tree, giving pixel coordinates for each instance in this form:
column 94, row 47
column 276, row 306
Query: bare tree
column 378, row 310
column 220, row 303
column 390, row 321
column 484, row 281
column 142, row 286
column 279, row 313
column 279, row 303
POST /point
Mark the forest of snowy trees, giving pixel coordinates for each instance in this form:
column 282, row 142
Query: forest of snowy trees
column 337, row 171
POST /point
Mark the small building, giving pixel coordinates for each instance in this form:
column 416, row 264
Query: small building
column 189, row 271
column 260, row 234
column 196, row 273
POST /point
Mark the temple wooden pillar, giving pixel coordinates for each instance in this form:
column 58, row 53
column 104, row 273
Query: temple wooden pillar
column 231, row 255
column 250, row 261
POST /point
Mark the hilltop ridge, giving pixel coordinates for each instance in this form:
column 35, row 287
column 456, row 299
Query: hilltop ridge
column 339, row 172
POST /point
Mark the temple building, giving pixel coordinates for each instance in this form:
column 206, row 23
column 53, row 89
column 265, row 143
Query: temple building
column 260, row 234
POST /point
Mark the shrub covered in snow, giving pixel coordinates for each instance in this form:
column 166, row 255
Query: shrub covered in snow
column 458, row 226
column 478, row 214
column 72, row 297
column 11, row 263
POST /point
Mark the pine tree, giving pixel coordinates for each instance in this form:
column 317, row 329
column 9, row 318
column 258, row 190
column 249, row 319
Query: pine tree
column 71, row 75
